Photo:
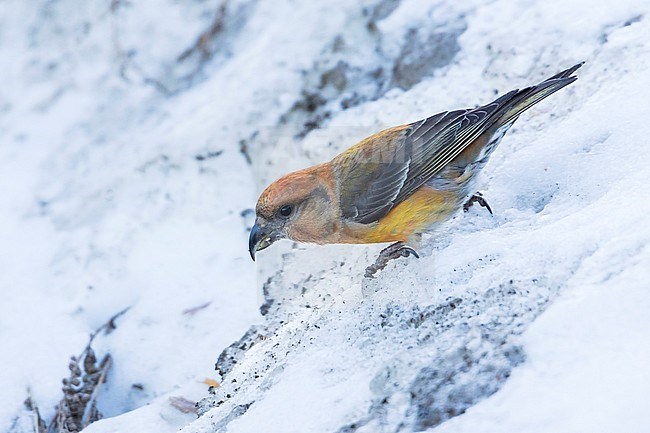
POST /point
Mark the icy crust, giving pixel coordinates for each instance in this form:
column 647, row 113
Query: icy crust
column 424, row 362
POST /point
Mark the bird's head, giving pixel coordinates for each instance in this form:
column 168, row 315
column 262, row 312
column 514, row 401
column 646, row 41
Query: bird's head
column 298, row 206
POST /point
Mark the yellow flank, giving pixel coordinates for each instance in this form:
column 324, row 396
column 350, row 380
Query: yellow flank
column 421, row 210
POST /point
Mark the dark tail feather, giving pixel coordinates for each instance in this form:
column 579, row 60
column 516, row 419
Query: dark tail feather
column 568, row 72
column 523, row 99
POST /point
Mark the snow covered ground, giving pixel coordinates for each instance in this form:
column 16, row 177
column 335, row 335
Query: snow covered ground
column 130, row 158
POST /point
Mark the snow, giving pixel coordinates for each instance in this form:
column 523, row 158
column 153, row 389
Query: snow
column 124, row 185
column 104, row 211
column 587, row 366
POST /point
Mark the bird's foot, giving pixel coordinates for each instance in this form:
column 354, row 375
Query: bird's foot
column 477, row 198
column 392, row 252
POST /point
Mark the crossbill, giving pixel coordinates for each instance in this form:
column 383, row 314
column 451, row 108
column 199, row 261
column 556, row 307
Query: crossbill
column 395, row 184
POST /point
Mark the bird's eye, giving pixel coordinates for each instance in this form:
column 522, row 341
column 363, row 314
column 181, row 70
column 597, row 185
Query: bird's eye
column 286, row 210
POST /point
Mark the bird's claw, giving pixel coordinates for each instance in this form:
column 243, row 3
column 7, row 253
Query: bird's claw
column 477, row 198
column 408, row 251
column 392, row 252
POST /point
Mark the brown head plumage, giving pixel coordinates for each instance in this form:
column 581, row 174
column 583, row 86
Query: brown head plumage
column 301, row 206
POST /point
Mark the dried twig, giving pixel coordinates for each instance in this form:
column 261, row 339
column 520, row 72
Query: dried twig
column 39, row 424
column 107, row 327
column 193, row 310
column 78, row 407
column 202, row 42
column 243, row 149
column 91, row 413
column 182, row 404
column 125, row 59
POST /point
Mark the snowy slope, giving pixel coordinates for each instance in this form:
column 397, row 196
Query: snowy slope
column 108, row 206
column 127, row 169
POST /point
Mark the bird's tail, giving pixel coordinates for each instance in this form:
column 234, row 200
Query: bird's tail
column 521, row 100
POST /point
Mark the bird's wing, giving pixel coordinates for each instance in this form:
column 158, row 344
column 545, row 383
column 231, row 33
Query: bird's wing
column 435, row 142
column 384, row 169
column 376, row 177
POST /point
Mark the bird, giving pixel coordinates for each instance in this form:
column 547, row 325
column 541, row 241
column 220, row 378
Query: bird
column 397, row 184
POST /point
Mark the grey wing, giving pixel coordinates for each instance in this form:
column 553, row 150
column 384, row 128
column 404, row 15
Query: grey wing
column 432, row 147
column 426, row 147
column 381, row 195
column 373, row 193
